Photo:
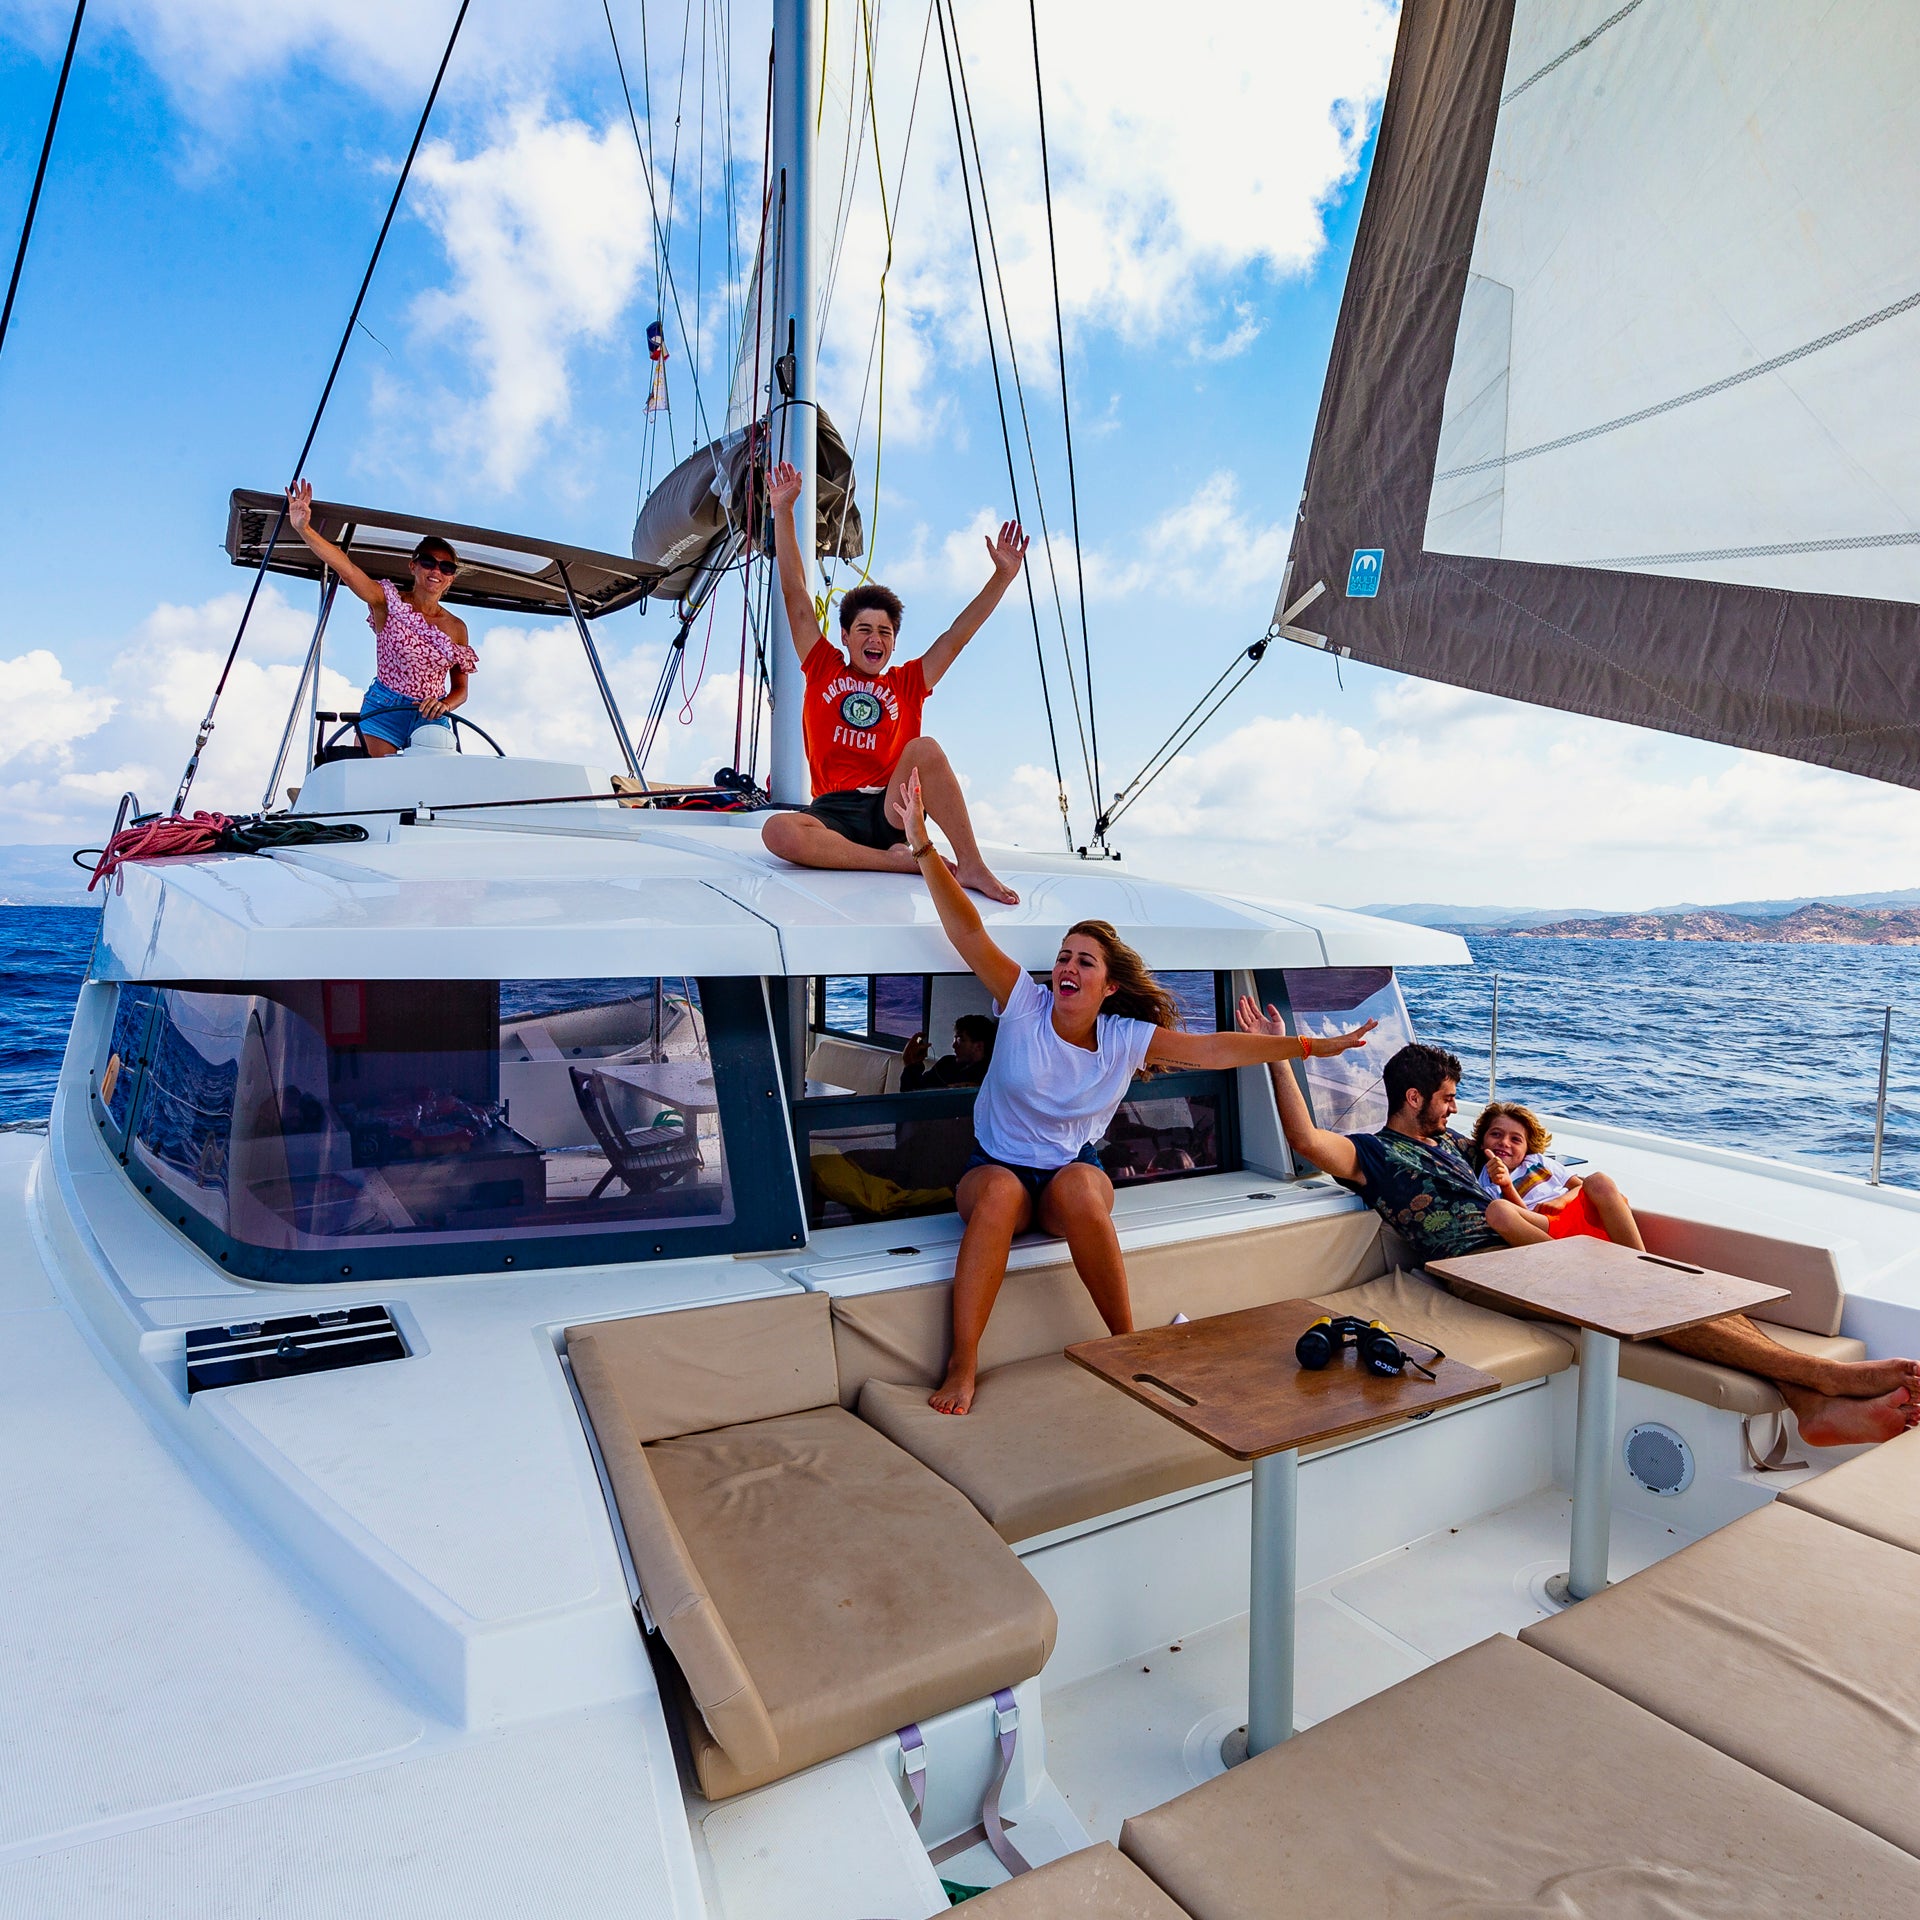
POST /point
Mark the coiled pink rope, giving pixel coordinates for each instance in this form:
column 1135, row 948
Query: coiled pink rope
column 159, row 840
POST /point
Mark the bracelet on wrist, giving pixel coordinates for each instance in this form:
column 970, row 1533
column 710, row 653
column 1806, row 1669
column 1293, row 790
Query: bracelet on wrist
column 922, row 850
column 1306, row 1046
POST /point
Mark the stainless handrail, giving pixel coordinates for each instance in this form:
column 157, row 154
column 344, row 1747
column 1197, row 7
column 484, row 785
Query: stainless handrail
column 1880, row 1106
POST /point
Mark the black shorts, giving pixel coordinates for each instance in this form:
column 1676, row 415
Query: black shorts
column 860, row 817
column 1036, row 1180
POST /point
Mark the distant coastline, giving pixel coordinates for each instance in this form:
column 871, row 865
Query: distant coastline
column 1816, row 925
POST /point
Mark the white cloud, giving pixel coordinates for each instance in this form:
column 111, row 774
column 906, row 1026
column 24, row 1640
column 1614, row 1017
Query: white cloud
column 1181, row 160
column 1459, row 798
column 545, row 230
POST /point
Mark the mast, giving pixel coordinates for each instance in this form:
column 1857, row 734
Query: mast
column 796, row 92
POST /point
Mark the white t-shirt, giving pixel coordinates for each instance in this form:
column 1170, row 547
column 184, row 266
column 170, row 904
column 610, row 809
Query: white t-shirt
column 1043, row 1099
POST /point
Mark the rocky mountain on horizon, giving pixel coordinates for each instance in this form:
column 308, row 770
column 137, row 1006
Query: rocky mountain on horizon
column 1814, row 925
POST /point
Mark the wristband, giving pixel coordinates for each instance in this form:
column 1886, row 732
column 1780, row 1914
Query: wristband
column 1306, row 1046
column 922, row 850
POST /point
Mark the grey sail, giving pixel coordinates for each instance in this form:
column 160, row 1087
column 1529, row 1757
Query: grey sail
column 1618, row 417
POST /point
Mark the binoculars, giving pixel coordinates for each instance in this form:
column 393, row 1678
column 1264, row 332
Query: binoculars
column 1374, row 1341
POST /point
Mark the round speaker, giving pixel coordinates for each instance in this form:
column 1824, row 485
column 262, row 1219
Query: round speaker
column 1659, row 1458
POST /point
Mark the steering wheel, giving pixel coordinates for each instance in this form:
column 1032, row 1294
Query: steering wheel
column 349, row 722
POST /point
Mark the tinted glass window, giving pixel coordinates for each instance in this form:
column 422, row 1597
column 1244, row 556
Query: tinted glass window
column 121, row 1068
column 1345, row 1088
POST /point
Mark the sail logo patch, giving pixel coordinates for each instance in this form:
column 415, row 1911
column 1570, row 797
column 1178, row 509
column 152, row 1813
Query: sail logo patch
column 861, row 709
column 1363, row 575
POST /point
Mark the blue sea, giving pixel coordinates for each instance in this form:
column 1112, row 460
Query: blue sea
column 1770, row 1049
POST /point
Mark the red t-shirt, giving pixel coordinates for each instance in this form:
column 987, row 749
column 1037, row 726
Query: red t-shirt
column 857, row 727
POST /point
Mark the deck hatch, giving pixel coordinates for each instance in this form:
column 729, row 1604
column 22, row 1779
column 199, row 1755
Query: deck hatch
column 292, row 1343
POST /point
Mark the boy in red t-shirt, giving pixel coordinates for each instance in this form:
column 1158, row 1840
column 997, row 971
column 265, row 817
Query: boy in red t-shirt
column 861, row 722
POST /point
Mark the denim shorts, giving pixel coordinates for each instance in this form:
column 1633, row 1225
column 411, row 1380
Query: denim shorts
column 1034, row 1179
column 391, row 716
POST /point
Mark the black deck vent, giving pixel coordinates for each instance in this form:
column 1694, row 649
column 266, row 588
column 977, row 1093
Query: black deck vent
column 295, row 1343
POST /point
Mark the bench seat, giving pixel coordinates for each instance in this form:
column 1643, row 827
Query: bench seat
column 1096, row 1883
column 1510, row 1349
column 1655, row 1365
column 1046, row 1445
column 1783, row 1640
column 1877, row 1494
column 1500, row 1782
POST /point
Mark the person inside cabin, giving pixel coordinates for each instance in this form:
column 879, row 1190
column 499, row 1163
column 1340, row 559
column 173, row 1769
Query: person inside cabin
column 862, row 717
column 1064, row 1056
column 1415, row 1173
column 965, row 1066
column 422, row 655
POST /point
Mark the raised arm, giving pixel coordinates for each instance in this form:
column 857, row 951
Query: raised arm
column 1214, row 1051
column 803, row 623
column 300, row 518
column 996, row 971
column 1008, row 554
column 1331, row 1152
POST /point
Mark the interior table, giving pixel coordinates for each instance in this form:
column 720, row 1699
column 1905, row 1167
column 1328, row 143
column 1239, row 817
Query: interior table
column 1611, row 1293
column 1232, row 1381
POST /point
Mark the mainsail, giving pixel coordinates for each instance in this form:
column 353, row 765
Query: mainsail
column 1619, row 412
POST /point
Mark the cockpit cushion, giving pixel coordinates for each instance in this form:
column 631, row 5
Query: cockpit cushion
column 1783, row 1640
column 1096, row 1883
column 1496, row 1343
column 1877, row 1493
column 860, row 1589
column 1047, row 1445
column 1499, row 1783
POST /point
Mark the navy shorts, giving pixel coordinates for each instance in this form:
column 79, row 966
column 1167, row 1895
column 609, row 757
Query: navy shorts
column 1034, row 1179
column 859, row 816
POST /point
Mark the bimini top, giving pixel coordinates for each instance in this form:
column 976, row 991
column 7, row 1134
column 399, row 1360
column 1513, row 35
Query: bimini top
column 530, row 891
column 509, row 572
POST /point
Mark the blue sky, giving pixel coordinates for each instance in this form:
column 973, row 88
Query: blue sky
column 221, row 171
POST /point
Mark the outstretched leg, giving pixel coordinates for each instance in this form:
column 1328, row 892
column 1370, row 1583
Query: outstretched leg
column 1734, row 1341
column 945, row 803
column 1076, row 1206
column 808, row 841
column 995, row 1207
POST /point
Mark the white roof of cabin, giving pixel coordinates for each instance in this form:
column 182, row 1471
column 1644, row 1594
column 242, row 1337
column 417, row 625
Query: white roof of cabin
column 599, row 891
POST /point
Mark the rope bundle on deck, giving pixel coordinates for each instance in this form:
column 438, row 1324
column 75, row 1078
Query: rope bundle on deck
column 168, row 836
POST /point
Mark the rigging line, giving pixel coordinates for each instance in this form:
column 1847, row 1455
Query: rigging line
column 700, row 202
column 40, row 173
column 1561, row 59
column 665, row 271
column 319, row 412
column 852, row 147
column 1739, row 379
column 1066, row 410
column 1013, row 360
column 1000, row 401
column 1164, row 756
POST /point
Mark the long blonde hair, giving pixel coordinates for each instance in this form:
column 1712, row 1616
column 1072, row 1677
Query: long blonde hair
column 1136, row 994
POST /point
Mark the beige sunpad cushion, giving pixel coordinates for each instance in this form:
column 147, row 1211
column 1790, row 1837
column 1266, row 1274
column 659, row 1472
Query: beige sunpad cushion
column 682, row 1607
column 1811, row 1275
column 715, row 1366
column 1511, row 1350
column 1786, row 1641
column 1097, row 1883
column 1878, row 1493
column 861, row 1590
column 1498, row 1783
column 903, row 1335
column 1046, row 1445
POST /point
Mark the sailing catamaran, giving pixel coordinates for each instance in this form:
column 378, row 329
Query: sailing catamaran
column 470, row 1320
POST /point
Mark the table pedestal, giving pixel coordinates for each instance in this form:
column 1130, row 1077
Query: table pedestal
column 1270, row 1617
column 1592, row 1470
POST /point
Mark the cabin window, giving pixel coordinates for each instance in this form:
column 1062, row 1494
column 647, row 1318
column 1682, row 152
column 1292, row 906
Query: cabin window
column 338, row 1129
column 874, row 1147
column 1343, row 1089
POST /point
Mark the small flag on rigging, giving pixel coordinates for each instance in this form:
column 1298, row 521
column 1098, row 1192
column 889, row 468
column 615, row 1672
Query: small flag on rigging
column 657, row 352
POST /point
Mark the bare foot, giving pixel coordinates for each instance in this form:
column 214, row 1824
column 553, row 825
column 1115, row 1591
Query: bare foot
column 1829, row 1422
column 955, row 1392
column 979, row 879
column 1868, row 1379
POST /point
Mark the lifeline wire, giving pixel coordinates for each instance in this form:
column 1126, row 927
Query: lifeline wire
column 40, row 173
column 1006, row 437
column 326, row 394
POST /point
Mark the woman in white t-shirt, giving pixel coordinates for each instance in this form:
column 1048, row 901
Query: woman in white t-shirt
column 1064, row 1056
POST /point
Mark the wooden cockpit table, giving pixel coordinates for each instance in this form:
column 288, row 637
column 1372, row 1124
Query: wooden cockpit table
column 1611, row 1294
column 1232, row 1381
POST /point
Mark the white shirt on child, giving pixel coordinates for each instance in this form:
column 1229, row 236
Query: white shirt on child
column 1044, row 1099
column 1535, row 1179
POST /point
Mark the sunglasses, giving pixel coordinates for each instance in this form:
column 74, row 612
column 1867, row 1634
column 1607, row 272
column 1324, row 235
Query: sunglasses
column 436, row 563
